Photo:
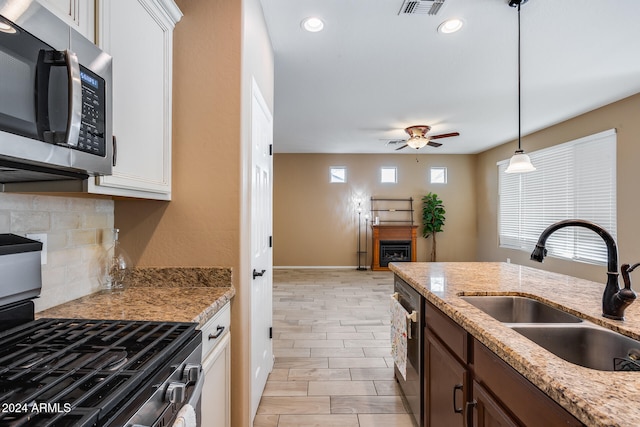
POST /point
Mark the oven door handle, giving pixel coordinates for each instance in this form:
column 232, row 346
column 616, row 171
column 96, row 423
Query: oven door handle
column 197, row 389
column 411, row 318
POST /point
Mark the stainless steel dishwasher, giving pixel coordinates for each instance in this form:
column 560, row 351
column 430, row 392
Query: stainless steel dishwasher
column 412, row 387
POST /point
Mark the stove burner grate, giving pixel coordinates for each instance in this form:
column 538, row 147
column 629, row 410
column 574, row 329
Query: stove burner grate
column 79, row 372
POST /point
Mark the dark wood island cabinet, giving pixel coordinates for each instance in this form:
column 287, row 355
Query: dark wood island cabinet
column 492, row 372
column 466, row 384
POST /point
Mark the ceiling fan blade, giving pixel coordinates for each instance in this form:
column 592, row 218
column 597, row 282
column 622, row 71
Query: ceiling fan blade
column 395, row 141
column 443, row 135
column 433, row 144
column 400, row 148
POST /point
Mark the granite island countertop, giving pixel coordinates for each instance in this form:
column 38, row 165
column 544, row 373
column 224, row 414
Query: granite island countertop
column 156, row 294
column 596, row 398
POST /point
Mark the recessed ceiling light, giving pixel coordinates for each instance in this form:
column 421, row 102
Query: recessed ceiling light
column 312, row 24
column 450, row 26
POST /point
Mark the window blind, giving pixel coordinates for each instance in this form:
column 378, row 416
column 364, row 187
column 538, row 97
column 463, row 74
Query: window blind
column 574, row 180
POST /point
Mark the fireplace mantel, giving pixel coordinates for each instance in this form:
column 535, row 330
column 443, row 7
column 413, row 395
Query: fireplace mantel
column 392, row 233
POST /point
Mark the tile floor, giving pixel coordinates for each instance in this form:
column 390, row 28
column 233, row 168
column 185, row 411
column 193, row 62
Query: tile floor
column 332, row 352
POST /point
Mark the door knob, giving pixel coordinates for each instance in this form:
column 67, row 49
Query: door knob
column 257, row 273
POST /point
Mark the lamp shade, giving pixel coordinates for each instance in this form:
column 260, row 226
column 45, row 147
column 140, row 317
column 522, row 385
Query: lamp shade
column 520, row 163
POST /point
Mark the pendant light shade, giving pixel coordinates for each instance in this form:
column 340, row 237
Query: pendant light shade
column 520, row 162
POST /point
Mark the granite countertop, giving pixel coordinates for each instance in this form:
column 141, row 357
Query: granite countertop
column 156, row 294
column 597, row 398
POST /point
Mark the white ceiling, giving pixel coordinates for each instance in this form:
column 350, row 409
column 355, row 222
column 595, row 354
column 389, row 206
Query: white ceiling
column 373, row 72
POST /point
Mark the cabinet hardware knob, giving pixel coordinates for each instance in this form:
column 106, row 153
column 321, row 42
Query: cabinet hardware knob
column 219, row 331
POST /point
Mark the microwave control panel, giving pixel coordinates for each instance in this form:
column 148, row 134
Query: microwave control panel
column 92, row 127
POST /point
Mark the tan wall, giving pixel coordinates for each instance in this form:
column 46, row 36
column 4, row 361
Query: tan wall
column 315, row 223
column 624, row 116
column 200, row 226
column 219, row 47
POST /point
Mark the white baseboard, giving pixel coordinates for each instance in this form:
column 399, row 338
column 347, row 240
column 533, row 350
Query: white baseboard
column 317, row 267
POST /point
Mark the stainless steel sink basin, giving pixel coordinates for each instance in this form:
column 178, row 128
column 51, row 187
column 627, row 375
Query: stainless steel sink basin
column 515, row 309
column 565, row 335
column 585, row 345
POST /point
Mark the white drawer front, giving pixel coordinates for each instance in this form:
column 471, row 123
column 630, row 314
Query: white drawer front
column 215, row 329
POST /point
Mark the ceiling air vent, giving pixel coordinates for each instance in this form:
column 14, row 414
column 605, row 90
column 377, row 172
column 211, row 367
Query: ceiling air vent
column 420, row 7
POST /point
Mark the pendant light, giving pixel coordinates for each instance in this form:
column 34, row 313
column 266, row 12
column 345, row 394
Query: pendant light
column 520, row 162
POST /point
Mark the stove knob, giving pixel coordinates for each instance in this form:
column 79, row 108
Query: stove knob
column 191, row 373
column 176, row 392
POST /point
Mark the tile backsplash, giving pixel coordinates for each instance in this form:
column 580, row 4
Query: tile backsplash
column 78, row 233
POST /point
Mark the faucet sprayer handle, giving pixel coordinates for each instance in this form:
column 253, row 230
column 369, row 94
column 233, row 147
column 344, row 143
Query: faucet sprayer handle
column 626, row 295
column 625, row 269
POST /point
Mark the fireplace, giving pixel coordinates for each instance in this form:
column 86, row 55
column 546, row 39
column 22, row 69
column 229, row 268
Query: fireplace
column 394, row 250
column 393, row 243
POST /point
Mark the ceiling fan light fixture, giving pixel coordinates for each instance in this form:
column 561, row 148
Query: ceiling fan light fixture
column 451, row 26
column 417, row 142
column 417, row 138
column 312, row 24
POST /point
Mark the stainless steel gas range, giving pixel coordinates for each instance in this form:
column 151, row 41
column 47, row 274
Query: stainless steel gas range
column 81, row 373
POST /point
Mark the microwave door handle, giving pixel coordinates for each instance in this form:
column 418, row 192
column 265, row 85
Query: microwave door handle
column 46, row 60
column 75, row 98
column 43, row 73
column 115, row 150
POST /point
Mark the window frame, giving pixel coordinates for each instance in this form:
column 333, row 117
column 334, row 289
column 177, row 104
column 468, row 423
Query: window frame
column 332, row 174
column 388, row 168
column 441, row 168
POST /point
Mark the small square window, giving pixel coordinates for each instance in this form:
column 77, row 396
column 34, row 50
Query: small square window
column 438, row 176
column 388, row 175
column 338, row 174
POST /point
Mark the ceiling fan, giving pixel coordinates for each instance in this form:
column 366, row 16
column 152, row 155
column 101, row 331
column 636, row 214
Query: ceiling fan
column 418, row 138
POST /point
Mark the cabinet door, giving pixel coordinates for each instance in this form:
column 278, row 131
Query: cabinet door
column 79, row 14
column 446, row 386
column 528, row 404
column 487, row 412
column 216, row 402
column 138, row 34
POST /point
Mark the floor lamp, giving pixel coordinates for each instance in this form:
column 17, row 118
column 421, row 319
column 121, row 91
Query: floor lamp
column 360, row 252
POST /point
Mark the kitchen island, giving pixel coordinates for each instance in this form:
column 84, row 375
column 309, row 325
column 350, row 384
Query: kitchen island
column 596, row 398
column 156, row 294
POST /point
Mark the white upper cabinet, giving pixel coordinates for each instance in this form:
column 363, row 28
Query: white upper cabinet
column 79, row 14
column 138, row 34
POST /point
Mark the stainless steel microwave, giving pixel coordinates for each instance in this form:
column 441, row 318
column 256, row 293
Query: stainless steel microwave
column 55, row 99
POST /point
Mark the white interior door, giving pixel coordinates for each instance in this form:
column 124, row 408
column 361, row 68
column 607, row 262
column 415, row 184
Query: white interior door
column 261, row 259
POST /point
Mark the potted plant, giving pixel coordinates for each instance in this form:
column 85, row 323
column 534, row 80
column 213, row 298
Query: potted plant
column 432, row 219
